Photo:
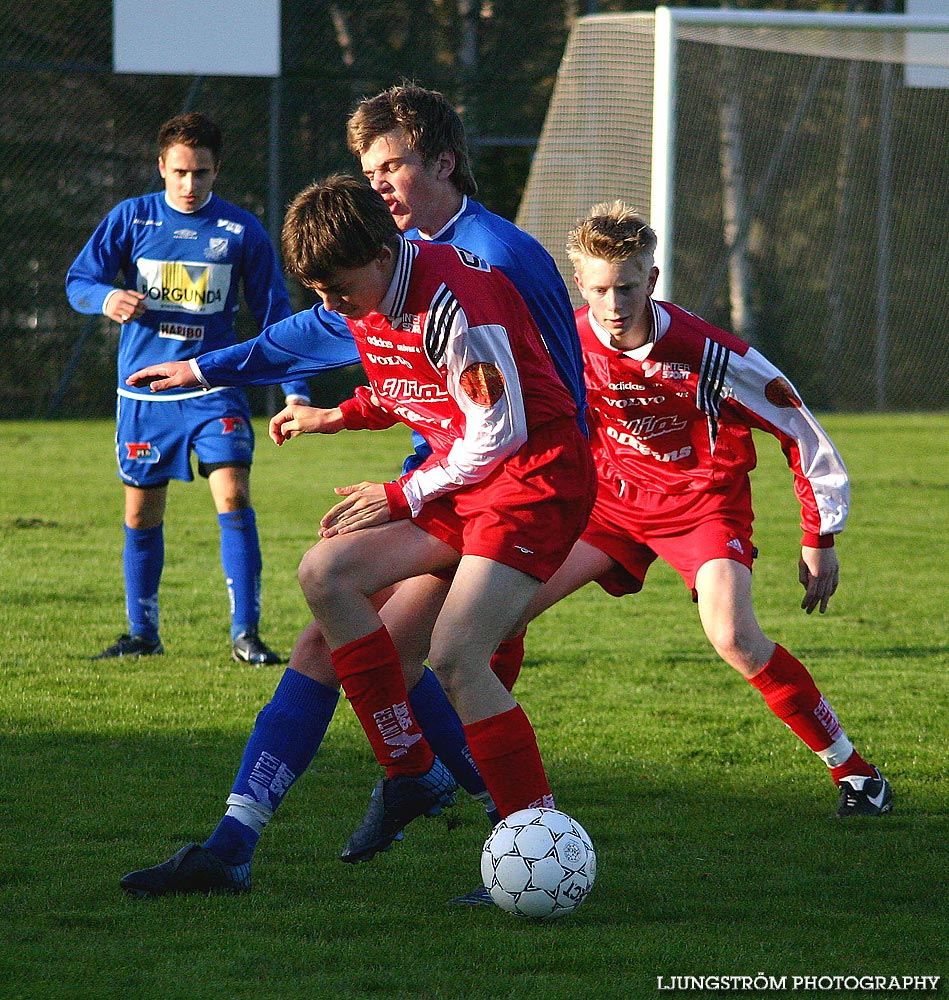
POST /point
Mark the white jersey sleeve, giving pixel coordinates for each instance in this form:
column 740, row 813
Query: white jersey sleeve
column 483, row 381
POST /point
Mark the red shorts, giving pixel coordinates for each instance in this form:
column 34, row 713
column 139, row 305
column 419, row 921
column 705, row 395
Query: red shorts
column 635, row 527
column 528, row 513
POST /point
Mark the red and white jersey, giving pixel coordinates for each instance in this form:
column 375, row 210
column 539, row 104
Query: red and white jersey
column 454, row 353
column 675, row 416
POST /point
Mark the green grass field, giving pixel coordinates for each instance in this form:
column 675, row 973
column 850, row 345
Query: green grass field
column 717, row 848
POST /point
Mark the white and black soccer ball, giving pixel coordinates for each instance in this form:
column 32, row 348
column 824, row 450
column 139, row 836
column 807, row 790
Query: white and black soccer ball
column 538, row 863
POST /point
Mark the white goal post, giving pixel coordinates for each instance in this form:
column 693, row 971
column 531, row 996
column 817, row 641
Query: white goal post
column 793, row 165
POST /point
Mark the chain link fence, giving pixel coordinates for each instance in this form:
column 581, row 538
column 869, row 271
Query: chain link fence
column 76, row 138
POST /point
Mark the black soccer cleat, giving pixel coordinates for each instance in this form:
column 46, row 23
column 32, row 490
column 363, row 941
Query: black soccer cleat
column 194, row 869
column 862, row 796
column 478, row 896
column 131, row 645
column 394, row 803
column 250, row 648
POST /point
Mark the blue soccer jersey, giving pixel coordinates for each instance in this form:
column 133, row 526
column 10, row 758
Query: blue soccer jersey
column 305, row 344
column 190, row 267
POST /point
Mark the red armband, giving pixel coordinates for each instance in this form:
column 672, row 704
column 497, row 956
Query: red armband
column 817, row 541
column 399, row 508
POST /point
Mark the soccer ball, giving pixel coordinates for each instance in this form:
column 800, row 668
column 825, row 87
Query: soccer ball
column 538, row 863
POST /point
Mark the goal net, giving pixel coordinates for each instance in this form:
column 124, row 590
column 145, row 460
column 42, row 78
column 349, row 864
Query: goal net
column 796, row 170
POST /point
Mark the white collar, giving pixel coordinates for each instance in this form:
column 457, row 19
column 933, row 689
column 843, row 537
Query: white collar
column 393, row 302
column 660, row 326
column 449, row 223
column 194, row 211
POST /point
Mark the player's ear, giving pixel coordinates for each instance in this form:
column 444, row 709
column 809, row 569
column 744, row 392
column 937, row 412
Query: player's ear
column 445, row 163
column 653, row 278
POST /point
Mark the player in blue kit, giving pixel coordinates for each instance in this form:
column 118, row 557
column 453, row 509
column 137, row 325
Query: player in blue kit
column 182, row 255
column 412, row 148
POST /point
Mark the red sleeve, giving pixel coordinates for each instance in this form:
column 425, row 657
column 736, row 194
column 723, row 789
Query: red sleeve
column 399, row 508
column 817, row 541
column 363, row 413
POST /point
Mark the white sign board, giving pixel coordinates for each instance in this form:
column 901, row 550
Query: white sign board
column 196, row 37
column 925, row 45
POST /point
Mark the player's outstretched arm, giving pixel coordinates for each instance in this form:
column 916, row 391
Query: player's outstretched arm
column 168, row 375
column 297, row 419
column 819, row 573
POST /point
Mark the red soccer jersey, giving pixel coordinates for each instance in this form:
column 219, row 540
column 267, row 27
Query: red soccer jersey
column 675, row 416
column 454, row 353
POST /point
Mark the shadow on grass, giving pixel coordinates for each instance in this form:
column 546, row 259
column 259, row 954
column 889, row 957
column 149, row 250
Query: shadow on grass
column 723, row 870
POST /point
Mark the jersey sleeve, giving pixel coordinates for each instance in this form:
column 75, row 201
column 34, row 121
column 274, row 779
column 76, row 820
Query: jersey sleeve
column 483, row 381
column 821, row 480
column 363, row 412
column 91, row 277
column 303, row 345
column 266, row 291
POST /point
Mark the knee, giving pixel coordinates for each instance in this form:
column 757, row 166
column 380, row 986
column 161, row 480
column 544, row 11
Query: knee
column 315, row 575
column 745, row 649
column 235, row 499
column 445, row 664
column 725, row 640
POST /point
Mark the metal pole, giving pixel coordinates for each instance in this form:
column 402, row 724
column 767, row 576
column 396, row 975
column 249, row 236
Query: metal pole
column 881, row 346
column 662, row 181
column 274, row 207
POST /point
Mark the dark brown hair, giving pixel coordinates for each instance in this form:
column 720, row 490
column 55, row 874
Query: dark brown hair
column 431, row 126
column 193, row 129
column 336, row 223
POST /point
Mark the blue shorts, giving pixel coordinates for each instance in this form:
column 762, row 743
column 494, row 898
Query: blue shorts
column 154, row 439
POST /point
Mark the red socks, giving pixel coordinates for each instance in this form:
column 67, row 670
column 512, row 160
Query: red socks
column 370, row 672
column 790, row 692
column 505, row 749
column 507, row 660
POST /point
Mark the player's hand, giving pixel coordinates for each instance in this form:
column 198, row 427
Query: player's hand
column 364, row 505
column 170, row 375
column 295, row 419
column 819, row 573
column 124, row 305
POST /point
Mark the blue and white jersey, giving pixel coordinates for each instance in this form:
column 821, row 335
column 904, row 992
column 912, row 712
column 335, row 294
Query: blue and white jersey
column 305, row 344
column 190, row 267
column 534, row 273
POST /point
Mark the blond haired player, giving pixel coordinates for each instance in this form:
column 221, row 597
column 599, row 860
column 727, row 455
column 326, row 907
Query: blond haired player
column 672, row 404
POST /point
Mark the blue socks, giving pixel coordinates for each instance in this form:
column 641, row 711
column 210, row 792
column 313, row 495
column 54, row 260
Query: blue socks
column 240, row 556
column 439, row 721
column 286, row 736
column 143, row 558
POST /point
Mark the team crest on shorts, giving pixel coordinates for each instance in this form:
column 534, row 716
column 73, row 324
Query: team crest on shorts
column 142, row 451
column 232, row 425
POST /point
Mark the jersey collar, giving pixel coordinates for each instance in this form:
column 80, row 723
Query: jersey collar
column 440, row 235
column 660, row 326
column 204, row 204
column 392, row 305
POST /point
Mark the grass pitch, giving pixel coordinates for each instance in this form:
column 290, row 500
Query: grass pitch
column 718, row 853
